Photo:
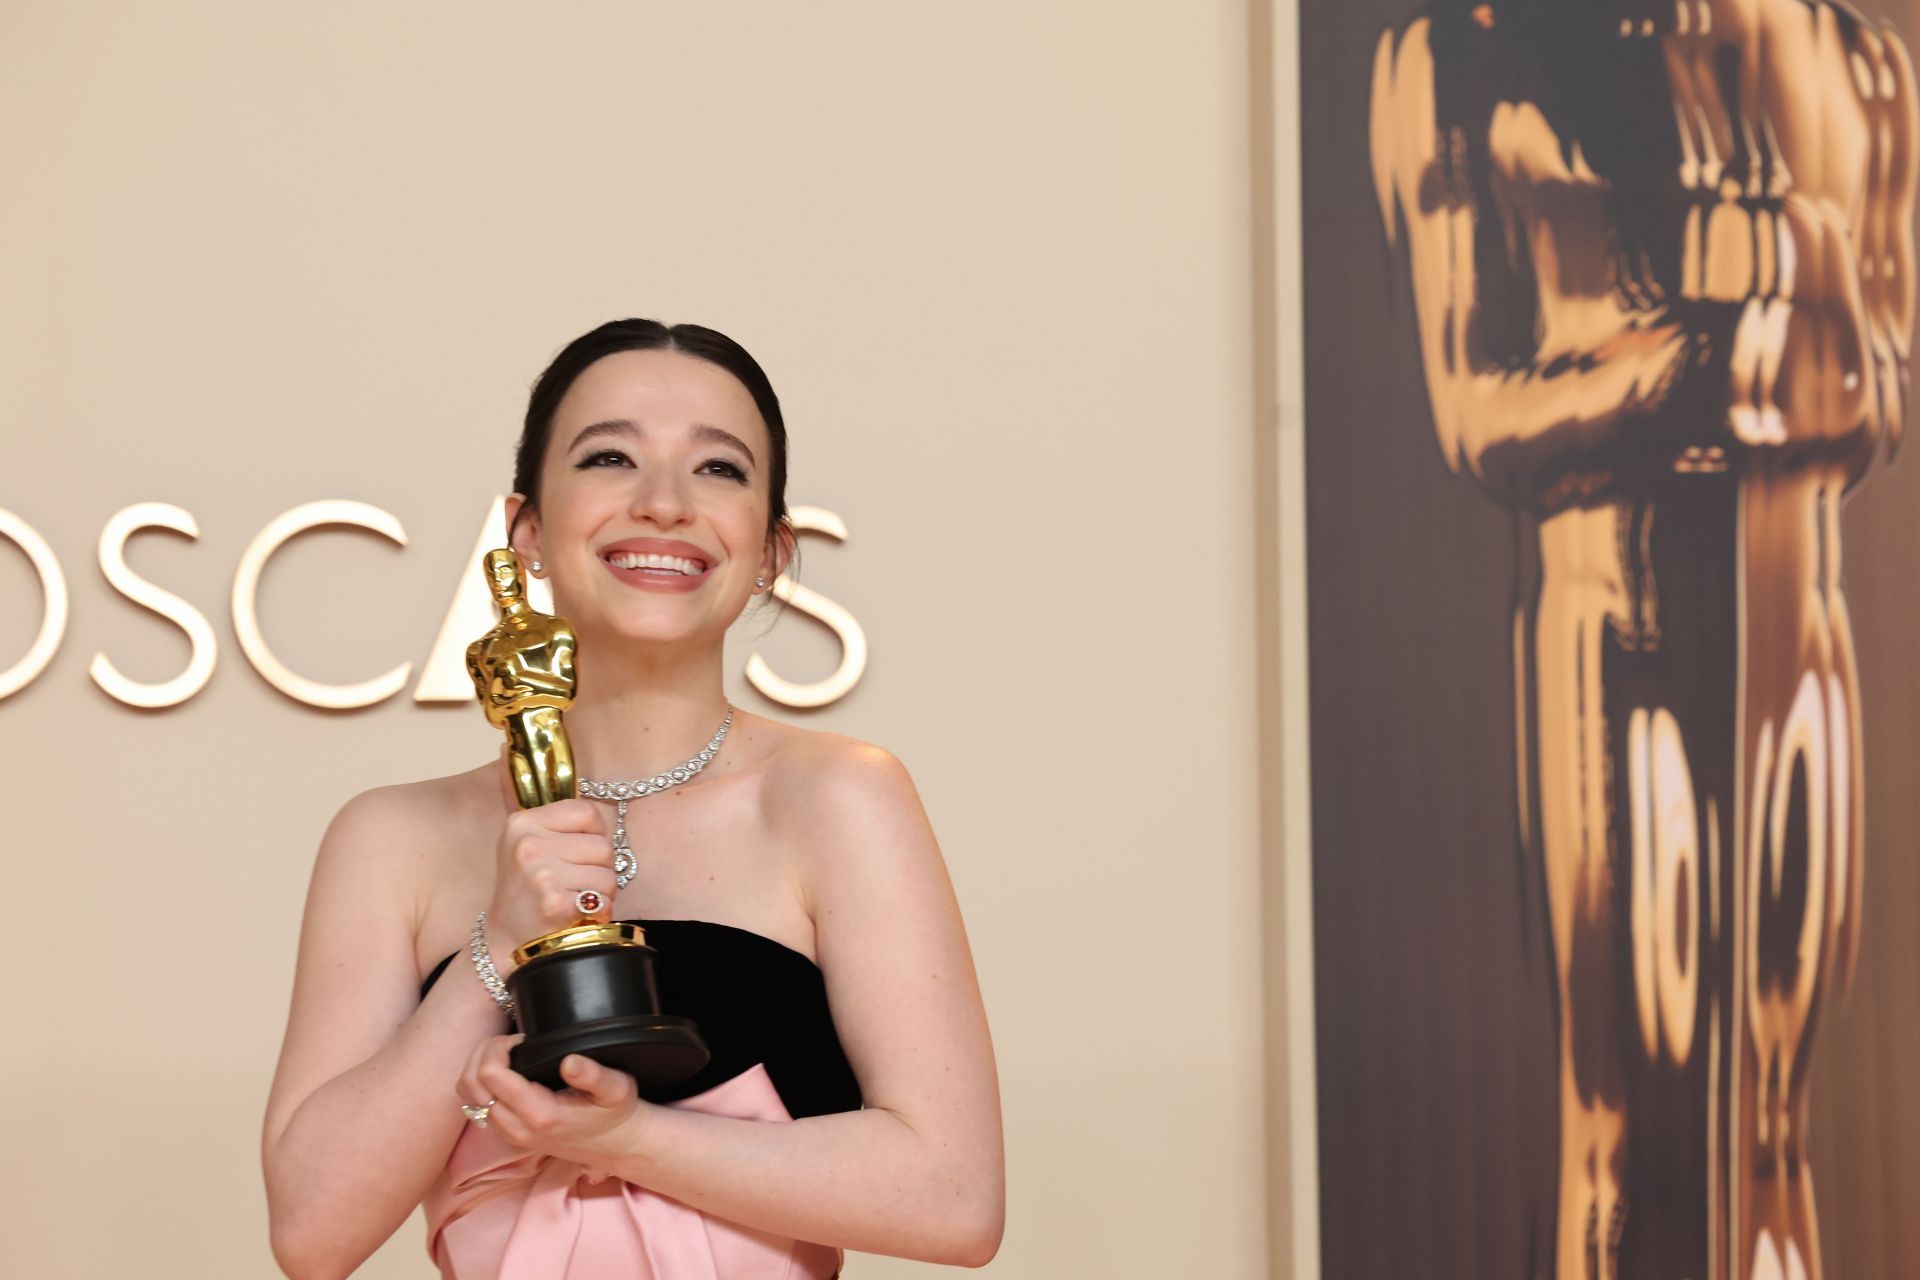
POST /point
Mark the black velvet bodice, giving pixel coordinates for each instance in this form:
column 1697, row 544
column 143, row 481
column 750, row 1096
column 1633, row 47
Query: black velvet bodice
column 756, row 1001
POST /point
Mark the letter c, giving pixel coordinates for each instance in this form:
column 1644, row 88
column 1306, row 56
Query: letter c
column 246, row 617
column 53, row 622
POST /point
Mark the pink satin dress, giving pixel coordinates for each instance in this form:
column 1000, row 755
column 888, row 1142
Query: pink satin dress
column 501, row 1213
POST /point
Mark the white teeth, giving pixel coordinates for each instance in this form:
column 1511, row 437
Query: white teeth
column 649, row 560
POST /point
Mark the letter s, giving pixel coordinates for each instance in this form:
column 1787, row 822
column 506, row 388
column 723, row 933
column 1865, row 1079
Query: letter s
column 113, row 564
column 853, row 640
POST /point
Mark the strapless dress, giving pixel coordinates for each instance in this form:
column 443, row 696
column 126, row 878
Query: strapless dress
column 497, row 1212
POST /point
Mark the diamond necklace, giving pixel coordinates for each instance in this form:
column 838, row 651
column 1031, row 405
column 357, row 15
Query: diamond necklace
column 621, row 792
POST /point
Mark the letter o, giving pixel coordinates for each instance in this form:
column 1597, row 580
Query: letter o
column 53, row 622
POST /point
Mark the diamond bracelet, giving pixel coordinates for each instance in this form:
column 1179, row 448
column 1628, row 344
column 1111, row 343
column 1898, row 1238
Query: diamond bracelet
column 483, row 965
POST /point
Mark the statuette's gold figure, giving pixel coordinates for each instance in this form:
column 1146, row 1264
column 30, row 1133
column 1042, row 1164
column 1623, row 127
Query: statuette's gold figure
column 1663, row 271
column 523, row 672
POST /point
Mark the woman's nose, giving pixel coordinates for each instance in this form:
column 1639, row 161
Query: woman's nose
column 660, row 495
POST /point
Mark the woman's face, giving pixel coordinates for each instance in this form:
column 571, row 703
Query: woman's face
column 652, row 518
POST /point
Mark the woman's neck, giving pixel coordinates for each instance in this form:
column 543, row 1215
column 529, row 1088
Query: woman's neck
column 641, row 714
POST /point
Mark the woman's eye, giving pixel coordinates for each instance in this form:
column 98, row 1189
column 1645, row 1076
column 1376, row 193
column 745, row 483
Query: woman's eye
column 727, row 468
column 603, row 458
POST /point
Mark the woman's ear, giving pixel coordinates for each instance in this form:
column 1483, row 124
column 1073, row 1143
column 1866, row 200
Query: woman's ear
column 779, row 553
column 523, row 530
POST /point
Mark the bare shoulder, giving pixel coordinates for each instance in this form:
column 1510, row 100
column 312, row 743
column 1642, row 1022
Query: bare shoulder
column 836, row 802
column 815, row 776
column 404, row 828
column 420, row 805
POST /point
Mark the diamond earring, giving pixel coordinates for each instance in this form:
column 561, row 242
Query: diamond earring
column 535, row 566
column 759, row 582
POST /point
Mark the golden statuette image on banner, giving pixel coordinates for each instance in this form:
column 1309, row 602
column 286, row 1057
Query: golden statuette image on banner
column 1662, row 264
column 587, row 988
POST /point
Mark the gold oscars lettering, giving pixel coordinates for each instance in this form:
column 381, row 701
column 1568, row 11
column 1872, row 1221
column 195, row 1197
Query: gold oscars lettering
column 1662, row 263
column 523, row 673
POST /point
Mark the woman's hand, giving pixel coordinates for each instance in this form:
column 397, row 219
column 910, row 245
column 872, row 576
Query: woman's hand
column 544, row 858
column 579, row 1123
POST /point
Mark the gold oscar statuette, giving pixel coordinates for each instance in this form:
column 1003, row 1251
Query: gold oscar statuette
column 588, row 987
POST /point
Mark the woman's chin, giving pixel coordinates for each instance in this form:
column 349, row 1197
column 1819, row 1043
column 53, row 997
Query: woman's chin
column 651, row 632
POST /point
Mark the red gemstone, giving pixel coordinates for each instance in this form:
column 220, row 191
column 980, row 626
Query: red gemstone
column 589, row 901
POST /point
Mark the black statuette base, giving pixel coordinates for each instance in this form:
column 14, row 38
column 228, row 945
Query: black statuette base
column 659, row 1051
column 601, row 1001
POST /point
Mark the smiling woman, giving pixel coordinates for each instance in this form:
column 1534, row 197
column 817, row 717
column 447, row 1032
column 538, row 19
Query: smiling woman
column 851, row 1102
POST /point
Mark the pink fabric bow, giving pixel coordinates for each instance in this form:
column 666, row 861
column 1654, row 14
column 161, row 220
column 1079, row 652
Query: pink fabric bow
column 499, row 1213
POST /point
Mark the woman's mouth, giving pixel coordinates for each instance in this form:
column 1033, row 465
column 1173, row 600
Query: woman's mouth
column 655, row 571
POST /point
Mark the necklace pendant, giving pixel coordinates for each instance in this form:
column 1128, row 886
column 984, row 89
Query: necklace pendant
column 621, row 793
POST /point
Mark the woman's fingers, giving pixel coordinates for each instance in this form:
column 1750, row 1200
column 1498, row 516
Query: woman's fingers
column 584, row 863
column 469, row 1089
column 582, row 851
column 601, row 1085
column 528, row 1114
column 505, row 1085
column 472, row 1088
column 545, row 858
column 549, row 851
column 572, row 815
column 560, row 891
column 522, row 1110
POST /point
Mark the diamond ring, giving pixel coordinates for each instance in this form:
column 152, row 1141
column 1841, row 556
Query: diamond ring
column 589, row 901
column 477, row 1114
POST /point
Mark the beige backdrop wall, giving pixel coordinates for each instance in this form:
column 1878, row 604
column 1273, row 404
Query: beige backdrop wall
column 995, row 257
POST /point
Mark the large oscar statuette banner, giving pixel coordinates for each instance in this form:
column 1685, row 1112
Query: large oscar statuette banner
column 587, row 988
column 1607, row 352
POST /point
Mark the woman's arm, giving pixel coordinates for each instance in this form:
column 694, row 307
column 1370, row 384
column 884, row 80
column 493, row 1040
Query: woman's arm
column 920, row 1172
column 362, row 1113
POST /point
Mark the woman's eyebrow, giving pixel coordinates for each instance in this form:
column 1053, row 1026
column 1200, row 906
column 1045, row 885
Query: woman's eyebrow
column 610, row 427
column 627, row 426
column 701, row 431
